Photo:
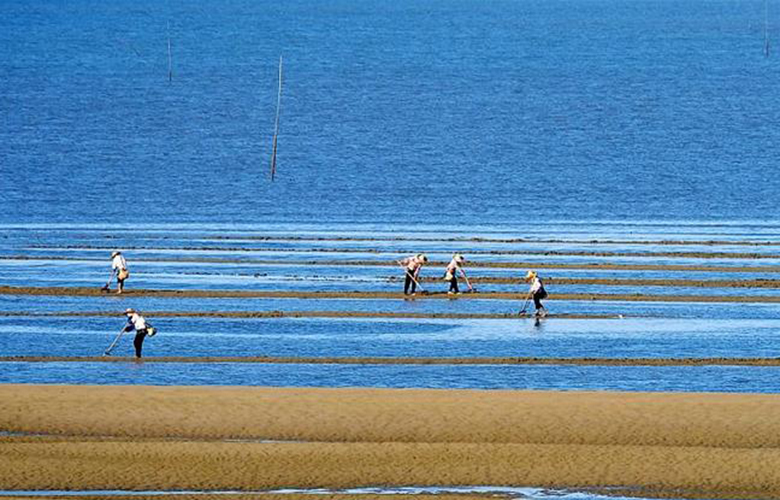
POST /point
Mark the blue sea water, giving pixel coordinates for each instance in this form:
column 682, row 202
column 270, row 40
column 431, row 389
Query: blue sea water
column 451, row 113
column 565, row 122
column 571, row 120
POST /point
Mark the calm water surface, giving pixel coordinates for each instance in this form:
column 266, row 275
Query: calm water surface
column 562, row 122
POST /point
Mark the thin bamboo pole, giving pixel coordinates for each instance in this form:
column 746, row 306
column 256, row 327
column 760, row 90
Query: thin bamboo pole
column 276, row 122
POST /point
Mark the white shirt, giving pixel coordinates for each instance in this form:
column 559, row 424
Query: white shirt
column 138, row 321
column 119, row 262
column 536, row 285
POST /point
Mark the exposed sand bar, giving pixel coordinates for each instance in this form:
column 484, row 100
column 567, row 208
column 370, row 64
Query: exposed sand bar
column 185, row 495
column 520, row 296
column 406, row 360
column 471, row 264
column 688, row 283
column 163, row 438
column 557, row 253
column 300, row 314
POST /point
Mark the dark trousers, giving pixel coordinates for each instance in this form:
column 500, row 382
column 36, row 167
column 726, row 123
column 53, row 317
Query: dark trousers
column 138, row 342
column 409, row 285
column 454, row 284
column 538, row 296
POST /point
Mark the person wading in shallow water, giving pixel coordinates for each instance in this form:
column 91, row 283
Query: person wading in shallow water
column 451, row 273
column 137, row 322
column 537, row 292
column 118, row 267
column 412, row 266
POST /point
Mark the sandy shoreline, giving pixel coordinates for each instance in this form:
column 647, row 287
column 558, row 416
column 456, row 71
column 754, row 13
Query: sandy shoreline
column 245, row 438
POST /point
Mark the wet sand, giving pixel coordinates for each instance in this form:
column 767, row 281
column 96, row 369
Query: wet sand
column 301, row 314
column 519, row 296
column 263, row 496
column 242, row 438
column 405, row 360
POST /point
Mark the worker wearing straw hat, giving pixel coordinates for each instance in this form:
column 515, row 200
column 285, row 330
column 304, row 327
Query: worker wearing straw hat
column 118, row 267
column 537, row 293
column 138, row 323
column 412, row 266
column 451, row 273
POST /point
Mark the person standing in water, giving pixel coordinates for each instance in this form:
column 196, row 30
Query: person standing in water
column 118, row 267
column 137, row 322
column 537, row 293
column 412, row 266
column 451, row 273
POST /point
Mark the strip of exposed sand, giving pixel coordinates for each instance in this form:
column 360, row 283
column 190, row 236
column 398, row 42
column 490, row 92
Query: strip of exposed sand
column 282, row 294
column 326, row 360
column 243, row 438
column 186, row 495
column 299, row 314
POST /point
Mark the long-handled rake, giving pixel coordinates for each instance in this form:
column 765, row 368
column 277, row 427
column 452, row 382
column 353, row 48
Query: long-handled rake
column 471, row 288
column 525, row 306
column 113, row 344
column 105, row 287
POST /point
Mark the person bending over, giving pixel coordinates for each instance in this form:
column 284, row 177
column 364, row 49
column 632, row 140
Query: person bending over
column 118, row 267
column 412, row 266
column 137, row 322
column 537, row 293
column 451, row 273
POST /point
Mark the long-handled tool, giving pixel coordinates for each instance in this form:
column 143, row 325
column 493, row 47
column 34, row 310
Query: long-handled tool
column 471, row 288
column 113, row 344
column 408, row 273
column 525, row 306
column 105, row 287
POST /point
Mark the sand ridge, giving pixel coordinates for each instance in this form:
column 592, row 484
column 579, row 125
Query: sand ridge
column 714, row 445
column 518, row 296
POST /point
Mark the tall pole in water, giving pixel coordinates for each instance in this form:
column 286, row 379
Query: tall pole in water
column 276, row 123
column 170, row 56
column 766, row 29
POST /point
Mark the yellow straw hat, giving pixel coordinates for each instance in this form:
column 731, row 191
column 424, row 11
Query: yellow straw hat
column 129, row 310
column 530, row 275
column 115, row 253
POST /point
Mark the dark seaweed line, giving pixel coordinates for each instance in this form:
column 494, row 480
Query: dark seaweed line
column 298, row 314
column 587, row 361
column 401, row 251
column 495, row 240
column 180, row 294
column 455, row 239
